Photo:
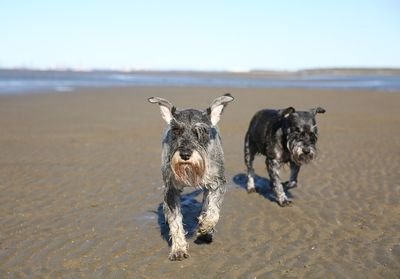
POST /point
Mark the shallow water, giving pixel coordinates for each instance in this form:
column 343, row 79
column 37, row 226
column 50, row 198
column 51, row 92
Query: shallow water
column 34, row 81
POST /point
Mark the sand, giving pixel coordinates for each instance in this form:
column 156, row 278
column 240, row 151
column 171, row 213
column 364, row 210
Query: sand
column 81, row 189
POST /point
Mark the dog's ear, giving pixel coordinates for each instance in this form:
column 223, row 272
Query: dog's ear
column 287, row 112
column 166, row 107
column 314, row 111
column 217, row 106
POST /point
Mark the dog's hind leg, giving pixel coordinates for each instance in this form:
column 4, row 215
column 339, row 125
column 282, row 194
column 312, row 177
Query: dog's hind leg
column 209, row 216
column 173, row 216
column 273, row 171
column 248, row 160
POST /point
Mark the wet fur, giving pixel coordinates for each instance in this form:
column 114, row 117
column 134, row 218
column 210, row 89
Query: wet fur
column 192, row 156
column 283, row 137
column 190, row 172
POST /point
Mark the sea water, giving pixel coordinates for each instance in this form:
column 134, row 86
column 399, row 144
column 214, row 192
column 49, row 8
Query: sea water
column 20, row 81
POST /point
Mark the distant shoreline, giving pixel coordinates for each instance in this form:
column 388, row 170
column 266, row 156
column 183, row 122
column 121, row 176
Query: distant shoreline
column 25, row 81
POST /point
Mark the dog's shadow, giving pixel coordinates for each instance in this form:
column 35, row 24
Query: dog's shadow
column 190, row 208
column 263, row 186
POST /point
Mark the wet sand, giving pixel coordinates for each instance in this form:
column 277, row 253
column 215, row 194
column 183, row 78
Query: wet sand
column 81, row 189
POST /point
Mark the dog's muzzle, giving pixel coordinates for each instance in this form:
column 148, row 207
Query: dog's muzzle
column 302, row 154
column 188, row 168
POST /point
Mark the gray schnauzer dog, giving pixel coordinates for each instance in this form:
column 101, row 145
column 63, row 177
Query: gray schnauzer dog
column 283, row 136
column 192, row 155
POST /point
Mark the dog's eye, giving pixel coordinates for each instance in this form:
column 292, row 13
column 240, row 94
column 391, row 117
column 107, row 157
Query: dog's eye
column 176, row 131
column 313, row 138
column 200, row 132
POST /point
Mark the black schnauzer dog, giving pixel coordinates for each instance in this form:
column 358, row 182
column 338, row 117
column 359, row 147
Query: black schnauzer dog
column 283, row 136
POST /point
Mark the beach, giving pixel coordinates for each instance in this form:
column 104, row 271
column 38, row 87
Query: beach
column 81, row 188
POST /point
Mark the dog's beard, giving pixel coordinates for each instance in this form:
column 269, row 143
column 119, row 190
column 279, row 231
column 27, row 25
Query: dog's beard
column 190, row 172
column 297, row 154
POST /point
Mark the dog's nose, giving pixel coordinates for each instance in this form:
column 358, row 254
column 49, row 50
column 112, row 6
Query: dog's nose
column 306, row 150
column 185, row 154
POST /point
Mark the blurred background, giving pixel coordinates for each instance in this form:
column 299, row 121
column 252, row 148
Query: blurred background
column 216, row 36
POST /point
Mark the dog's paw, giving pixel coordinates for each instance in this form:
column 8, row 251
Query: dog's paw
column 178, row 255
column 291, row 185
column 204, row 238
column 285, row 202
column 251, row 190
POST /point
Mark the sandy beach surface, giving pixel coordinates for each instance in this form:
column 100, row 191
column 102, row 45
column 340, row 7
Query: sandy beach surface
column 81, row 189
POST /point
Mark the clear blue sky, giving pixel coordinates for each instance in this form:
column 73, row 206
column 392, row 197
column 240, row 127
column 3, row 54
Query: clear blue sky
column 200, row 35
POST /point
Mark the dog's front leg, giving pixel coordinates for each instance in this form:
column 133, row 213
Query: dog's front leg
column 173, row 215
column 248, row 159
column 209, row 216
column 294, row 172
column 273, row 171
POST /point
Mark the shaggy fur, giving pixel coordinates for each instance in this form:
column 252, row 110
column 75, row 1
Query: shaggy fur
column 282, row 136
column 192, row 156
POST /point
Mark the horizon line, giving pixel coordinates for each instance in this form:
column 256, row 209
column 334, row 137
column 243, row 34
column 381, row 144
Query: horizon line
column 194, row 70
